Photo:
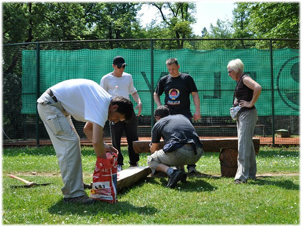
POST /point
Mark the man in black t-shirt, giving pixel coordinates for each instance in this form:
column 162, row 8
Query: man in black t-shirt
column 177, row 88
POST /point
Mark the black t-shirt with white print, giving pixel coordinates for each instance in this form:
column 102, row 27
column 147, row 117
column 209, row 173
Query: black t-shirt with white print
column 177, row 93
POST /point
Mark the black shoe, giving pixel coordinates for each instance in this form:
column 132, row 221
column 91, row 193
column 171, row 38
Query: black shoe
column 191, row 169
column 87, row 186
column 176, row 176
column 184, row 178
column 80, row 199
column 135, row 165
column 240, row 182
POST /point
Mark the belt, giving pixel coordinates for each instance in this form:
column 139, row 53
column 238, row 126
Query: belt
column 49, row 92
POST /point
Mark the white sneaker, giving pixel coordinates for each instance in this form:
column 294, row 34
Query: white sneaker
column 119, row 168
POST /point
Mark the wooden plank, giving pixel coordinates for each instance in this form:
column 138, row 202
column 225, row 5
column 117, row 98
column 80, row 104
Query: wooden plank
column 209, row 145
column 215, row 145
column 130, row 176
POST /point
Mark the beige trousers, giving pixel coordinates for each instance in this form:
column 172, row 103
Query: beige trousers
column 66, row 143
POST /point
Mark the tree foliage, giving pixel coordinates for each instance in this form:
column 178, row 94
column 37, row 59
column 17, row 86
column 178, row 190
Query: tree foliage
column 258, row 21
column 29, row 22
column 275, row 20
column 267, row 20
column 176, row 20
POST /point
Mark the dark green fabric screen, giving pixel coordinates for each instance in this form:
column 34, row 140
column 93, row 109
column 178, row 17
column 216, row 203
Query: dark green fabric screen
column 208, row 69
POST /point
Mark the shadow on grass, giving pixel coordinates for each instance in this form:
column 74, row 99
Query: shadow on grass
column 267, row 180
column 119, row 208
column 40, row 151
column 191, row 185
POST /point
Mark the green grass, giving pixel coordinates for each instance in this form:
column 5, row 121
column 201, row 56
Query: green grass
column 206, row 200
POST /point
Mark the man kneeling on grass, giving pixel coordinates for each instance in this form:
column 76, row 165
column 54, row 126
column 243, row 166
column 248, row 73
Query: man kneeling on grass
column 181, row 145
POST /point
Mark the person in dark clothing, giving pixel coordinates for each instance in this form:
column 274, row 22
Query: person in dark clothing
column 182, row 145
column 178, row 87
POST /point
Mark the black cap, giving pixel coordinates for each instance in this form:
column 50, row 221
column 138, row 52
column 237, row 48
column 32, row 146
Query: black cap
column 119, row 61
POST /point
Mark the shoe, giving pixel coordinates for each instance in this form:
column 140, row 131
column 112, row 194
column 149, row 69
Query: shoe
column 80, row 199
column 176, row 176
column 134, row 165
column 191, row 169
column 184, row 178
column 87, row 186
column 240, row 181
column 119, row 168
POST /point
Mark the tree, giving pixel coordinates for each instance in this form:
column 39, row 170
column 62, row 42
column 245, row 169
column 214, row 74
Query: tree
column 117, row 21
column 267, row 20
column 222, row 30
column 29, row 22
column 176, row 18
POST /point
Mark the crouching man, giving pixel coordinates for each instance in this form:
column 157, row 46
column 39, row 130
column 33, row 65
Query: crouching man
column 181, row 145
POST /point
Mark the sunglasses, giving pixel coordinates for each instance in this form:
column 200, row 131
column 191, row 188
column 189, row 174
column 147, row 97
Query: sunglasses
column 121, row 66
column 230, row 71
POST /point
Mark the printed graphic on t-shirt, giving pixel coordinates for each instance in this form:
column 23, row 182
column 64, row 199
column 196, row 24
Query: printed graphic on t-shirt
column 173, row 94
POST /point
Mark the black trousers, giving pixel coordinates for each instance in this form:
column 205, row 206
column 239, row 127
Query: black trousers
column 130, row 129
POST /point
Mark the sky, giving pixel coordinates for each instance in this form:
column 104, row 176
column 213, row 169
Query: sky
column 207, row 13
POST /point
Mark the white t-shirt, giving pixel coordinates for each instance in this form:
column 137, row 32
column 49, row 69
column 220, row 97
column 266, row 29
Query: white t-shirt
column 83, row 99
column 124, row 83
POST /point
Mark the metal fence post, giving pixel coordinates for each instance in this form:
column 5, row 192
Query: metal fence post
column 272, row 86
column 152, row 82
column 37, row 92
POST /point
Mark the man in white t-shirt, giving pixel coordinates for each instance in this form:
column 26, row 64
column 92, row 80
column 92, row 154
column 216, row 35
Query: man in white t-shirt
column 120, row 83
column 85, row 101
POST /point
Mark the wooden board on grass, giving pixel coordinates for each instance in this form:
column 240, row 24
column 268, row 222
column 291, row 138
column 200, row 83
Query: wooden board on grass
column 128, row 177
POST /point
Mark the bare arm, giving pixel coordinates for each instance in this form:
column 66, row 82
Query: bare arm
column 156, row 99
column 139, row 103
column 154, row 147
column 196, row 101
column 94, row 133
column 250, row 83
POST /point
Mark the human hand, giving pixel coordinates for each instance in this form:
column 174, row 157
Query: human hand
column 245, row 104
column 139, row 107
column 108, row 148
column 197, row 116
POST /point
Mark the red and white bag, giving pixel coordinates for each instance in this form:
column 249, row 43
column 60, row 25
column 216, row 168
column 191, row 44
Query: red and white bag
column 104, row 184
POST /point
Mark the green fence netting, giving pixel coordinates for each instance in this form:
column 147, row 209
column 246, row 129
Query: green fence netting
column 208, row 69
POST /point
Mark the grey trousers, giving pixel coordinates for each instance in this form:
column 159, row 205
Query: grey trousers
column 246, row 161
column 182, row 156
column 66, row 143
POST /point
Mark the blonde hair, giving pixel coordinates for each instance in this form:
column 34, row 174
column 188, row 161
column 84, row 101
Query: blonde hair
column 236, row 65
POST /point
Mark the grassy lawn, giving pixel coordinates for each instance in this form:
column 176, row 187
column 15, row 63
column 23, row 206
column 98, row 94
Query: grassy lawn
column 270, row 199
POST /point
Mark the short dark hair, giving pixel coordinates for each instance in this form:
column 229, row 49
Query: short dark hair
column 162, row 111
column 125, row 107
column 172, row 61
